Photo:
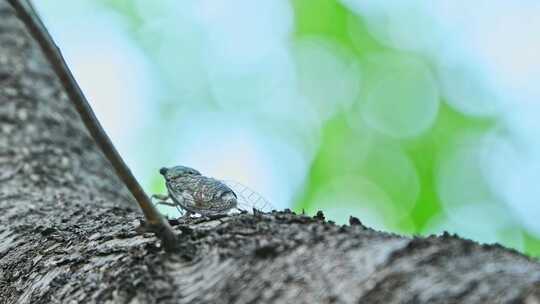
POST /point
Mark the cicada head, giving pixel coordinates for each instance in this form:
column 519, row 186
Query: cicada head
column 177, row 171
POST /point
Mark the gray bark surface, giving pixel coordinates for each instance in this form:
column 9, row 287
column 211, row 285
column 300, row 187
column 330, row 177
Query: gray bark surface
column 69, row 232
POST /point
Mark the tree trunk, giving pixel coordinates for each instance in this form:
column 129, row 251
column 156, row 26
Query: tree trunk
column 69, row 229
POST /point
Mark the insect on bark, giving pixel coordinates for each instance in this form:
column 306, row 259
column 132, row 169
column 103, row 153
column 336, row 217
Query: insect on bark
column 193, row 193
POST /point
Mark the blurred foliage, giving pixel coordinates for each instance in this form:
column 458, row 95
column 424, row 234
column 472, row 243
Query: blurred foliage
column 329, row 19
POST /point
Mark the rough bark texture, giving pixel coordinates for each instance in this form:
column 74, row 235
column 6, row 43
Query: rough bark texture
column 68, row 231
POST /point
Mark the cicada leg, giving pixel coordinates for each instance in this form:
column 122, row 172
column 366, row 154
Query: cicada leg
column 161, row 197
column 163, row 200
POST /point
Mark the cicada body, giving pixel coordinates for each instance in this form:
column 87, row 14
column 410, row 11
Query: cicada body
column 192, row 192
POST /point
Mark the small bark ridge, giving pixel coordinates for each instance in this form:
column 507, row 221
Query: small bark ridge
column 319, row 216
column 354, row 221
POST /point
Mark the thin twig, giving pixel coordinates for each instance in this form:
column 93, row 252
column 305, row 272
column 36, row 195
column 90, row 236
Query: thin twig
column 31, row 20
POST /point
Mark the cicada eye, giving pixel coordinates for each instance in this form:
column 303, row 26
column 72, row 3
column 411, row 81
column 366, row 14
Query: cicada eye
column 194, row 172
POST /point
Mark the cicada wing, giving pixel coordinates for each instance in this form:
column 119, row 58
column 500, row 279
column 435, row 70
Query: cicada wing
column 248, row 198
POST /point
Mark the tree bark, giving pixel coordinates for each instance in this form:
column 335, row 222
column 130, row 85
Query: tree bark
column 69, row 229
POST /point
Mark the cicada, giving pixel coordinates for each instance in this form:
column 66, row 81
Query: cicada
column 193, row 193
